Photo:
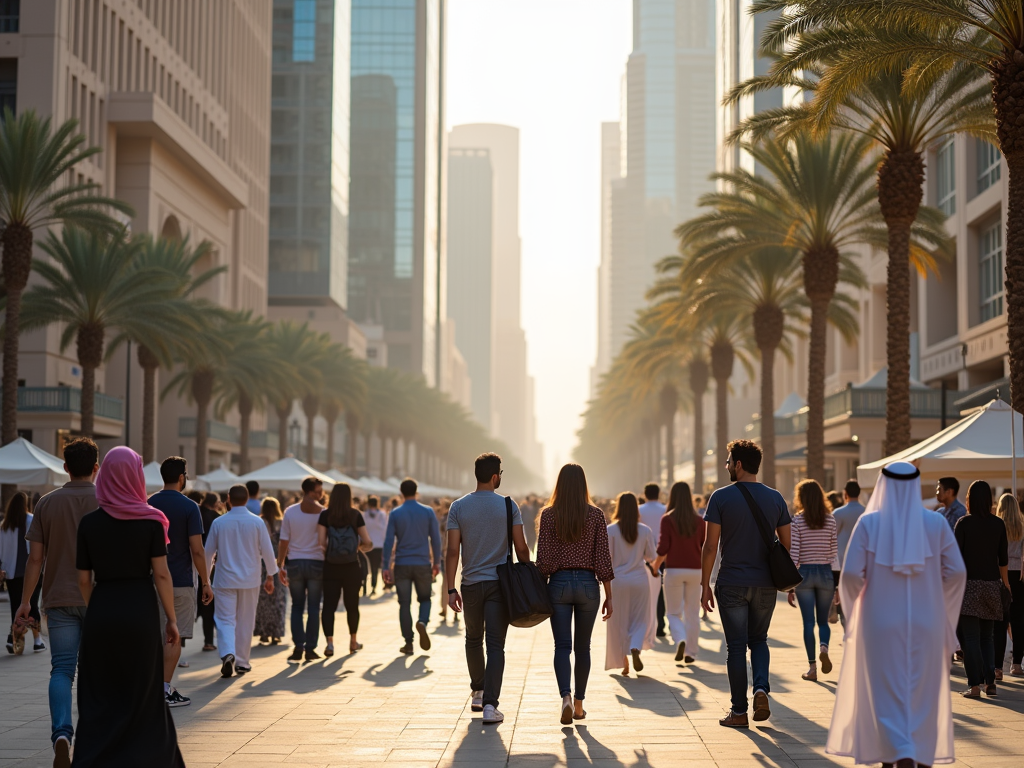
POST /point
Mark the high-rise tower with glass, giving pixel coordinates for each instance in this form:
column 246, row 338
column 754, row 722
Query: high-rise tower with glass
column 396, row 237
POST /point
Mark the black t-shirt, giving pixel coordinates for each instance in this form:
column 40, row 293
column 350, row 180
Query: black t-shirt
column 118, row 550
column 325, row 516
column 982, row 541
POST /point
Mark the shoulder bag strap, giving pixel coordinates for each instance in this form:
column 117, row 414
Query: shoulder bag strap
column 762, row 523
column 508, row 515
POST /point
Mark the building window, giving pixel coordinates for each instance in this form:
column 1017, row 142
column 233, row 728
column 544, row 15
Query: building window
column 990, row 271
column 945, row 164
column 9, row 15
column 304, row 31
column 989, row 165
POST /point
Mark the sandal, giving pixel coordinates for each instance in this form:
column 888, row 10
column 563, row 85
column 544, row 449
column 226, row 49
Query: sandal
column 999, row 675
column 209, row 647
column 356, row 647
column 810, row 676
column 580, row 717
column 991, row 691
column 970, row 694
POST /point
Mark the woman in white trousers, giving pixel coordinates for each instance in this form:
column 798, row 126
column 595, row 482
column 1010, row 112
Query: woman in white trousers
column 679, row 547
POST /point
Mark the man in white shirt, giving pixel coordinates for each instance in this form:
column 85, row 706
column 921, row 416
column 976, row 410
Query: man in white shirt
column 240, row 540
column 651, row 512
column 376, row 520
column 301, row 561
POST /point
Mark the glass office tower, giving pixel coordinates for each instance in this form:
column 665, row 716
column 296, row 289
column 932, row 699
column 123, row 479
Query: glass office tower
column 309, row 157
column 396, row 238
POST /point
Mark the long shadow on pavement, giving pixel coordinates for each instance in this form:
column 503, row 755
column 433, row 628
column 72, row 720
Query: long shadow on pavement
column 398, row 671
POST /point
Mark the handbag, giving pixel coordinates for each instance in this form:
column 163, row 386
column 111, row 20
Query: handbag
column 524, row 589
column 785, row 575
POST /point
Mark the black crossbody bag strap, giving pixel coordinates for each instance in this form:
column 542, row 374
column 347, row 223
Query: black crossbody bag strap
column 508, row 515
column 762, row 523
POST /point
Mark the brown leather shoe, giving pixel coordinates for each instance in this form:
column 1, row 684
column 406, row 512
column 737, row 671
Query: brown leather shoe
column 732, row 720
column 761, row 709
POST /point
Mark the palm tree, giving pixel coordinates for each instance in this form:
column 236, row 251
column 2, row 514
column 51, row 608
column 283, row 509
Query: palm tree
column 905, row 122
column 817, row 197
column 179, row 261
column 295, row 347
column 89, row 284
column 699, row 374
column 873, row 37
column 34, row 162
column 339, row 381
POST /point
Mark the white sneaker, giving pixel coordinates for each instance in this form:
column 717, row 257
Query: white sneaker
column 492, row 715
column 477, row 703
column 183, row 664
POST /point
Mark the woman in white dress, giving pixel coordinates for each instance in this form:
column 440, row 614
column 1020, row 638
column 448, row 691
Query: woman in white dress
column 633, row 546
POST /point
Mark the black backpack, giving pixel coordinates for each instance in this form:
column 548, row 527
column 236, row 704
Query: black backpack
column 342, row 545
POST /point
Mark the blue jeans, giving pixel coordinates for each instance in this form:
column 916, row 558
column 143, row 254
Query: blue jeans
column 306, row 577
column 817, row 590
column 407, row 576
column 746, row 615
column 573, row 592
column 65, row 626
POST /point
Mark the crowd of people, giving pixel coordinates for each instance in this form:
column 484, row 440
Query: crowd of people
column 913, row 590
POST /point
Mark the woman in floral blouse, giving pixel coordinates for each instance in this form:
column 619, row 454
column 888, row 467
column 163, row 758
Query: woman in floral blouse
column 572, row 549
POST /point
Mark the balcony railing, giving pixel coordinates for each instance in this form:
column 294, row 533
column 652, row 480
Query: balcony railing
column 215, row 430
column 67, row 400
column 863, row 404
column 262, row 439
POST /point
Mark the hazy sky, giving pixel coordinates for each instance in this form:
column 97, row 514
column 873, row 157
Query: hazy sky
column 552, row 69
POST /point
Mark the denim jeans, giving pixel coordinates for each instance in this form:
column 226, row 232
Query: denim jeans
column 573, row 593
column 407, row 576
column 746, row 615
column 484, row 609
column 816, row 591
column 979, row 654
column 65, row 627
column 306, row 577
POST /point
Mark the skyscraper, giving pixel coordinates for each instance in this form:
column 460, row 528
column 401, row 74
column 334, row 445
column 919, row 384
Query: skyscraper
column 396, row 236
column 668, row 136
column 309, row 182
column 502, row 351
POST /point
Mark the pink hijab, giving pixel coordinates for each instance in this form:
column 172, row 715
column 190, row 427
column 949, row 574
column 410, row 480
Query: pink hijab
column 121, row 488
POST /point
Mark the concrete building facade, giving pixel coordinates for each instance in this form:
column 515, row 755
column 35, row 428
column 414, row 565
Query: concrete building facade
column 176, row 95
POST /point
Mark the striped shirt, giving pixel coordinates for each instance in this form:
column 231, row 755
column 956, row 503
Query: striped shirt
column 813, row 547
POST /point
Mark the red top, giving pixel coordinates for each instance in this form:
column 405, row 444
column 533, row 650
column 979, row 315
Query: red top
column 681, row 551
column 590, row 553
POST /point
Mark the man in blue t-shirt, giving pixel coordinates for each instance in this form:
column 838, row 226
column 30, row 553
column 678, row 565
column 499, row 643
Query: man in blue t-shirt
column 745, row 590
column 184, row 550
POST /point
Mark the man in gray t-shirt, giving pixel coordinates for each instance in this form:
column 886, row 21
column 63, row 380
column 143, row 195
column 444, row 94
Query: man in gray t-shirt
column 478, row 525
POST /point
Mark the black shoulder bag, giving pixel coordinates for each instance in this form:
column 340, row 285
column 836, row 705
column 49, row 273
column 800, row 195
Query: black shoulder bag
column 785, row 575
column 522, row 586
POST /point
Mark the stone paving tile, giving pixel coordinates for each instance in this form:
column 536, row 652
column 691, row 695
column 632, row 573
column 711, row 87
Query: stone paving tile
column 378, row 709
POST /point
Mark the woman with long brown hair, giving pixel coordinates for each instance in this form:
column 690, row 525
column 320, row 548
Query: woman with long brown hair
column 271, row 609
column 13, row 559
column 814, row 548
column 632, row 546
column 680, row 541
column 572, row 549
column 342, row 534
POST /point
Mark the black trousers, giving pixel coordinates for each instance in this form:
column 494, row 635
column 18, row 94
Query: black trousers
column 979, row 654
column 484, row 610
column 374, row 558
column 205, row 612
column 341, row 580
column 1016, row 624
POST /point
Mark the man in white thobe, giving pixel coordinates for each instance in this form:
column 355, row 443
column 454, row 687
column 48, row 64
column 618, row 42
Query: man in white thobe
column 902, row 584
column 651, row 512
column 240, row 540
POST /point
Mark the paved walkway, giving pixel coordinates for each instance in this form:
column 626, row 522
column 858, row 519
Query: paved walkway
column 380, row 708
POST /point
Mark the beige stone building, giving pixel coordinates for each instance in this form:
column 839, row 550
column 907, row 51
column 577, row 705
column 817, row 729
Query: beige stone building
column 177, row 95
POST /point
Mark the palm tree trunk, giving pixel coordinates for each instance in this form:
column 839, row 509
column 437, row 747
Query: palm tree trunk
column 17, row 266
column 698, row 386
column 821, row 275
column 769, row 327
column 150, row 365
column 1007, row 80
column 722, row 358
column 351, row 447
column 310, row 407
column 381, row 465
column 282, row 429
column 88, row 423
column 89, row 344
column 202, row 392
column 655, row 437
column 245, row 407
column 331, row 422
column 900, row 191
column 670, row 448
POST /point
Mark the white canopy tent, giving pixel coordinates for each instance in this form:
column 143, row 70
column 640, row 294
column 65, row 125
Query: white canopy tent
column 286, row 475
column 978, row 447
column 217, row 481
column 22, row 463
column 376, row 485
column 154, row 482
column 340, row 477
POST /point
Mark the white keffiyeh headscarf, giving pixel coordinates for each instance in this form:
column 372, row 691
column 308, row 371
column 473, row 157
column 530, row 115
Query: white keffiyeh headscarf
column 901, row 541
